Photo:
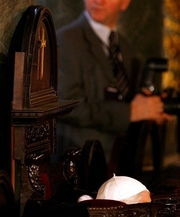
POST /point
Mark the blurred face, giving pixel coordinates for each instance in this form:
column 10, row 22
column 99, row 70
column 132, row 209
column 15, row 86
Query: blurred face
column 106, row 11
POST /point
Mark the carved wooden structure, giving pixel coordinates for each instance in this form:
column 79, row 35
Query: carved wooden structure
column 35, row 105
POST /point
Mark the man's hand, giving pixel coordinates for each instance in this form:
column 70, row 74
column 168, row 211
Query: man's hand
column 148, row 108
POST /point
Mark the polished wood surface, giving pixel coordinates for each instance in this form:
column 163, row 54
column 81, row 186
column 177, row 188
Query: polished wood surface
column 35, row 105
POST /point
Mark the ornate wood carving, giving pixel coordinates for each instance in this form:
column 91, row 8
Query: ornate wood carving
column 35, row 105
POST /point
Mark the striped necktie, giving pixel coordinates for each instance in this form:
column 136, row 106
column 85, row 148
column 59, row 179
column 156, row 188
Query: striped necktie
column 119, row 73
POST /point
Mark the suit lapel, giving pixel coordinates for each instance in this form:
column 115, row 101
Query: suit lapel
column 95, row 47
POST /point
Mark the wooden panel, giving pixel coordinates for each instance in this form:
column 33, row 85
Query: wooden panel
column 35, row 105
column 19, row 68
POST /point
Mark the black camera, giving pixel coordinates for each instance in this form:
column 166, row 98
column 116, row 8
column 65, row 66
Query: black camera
column 159, row 65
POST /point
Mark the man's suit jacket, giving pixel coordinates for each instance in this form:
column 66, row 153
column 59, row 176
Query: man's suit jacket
column 84, row 72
